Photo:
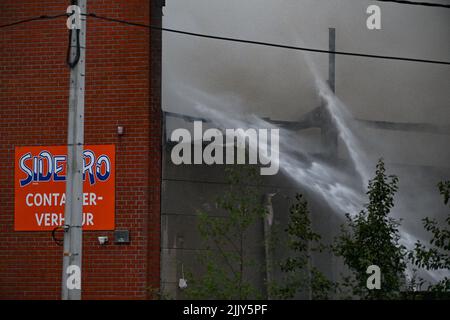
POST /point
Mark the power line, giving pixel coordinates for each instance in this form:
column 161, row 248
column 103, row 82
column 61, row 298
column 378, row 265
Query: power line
column 43, row 17
column 425, row 4
column 267, row 44
column 260, row 43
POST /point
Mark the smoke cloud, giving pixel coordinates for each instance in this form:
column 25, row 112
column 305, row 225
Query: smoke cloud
column 280, row 84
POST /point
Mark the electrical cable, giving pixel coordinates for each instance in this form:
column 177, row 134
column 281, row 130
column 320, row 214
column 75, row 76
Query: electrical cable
column 268, row 44
column 43, row 17
column 260, row 43
column 425, row 4
column 73, row 63
column 59, row 242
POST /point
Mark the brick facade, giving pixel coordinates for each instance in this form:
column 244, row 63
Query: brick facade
column 123, row 87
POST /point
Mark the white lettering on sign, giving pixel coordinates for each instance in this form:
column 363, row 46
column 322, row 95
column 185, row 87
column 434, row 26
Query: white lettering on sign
column 40, row 187
column 57, row 199
column 57, row 219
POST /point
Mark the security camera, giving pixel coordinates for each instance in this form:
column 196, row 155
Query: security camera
column 102, row 240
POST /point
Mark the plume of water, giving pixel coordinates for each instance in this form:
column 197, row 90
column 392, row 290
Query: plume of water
column 343, row 121
column 313, row 174
column 347, row 129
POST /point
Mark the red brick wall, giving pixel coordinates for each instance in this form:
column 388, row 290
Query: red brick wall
column 122, row 88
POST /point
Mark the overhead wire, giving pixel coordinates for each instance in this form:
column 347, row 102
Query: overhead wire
column 267, row 44
column 42, row 17
column 415, row 3
column 236, row 40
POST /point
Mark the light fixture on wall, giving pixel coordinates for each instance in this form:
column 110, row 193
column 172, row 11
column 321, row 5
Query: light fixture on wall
column 120, row 131
column 102, row 240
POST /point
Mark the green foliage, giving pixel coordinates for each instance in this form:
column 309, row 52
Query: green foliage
column 372, row 238
column 225, row 259
column 444, row 189
column 437, row 257
column 300, row 274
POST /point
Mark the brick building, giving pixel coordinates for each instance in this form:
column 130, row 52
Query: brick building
column 123, row 88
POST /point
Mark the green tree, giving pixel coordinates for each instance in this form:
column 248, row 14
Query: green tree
column 226, row 258
column 372, row 238
column 301, row 276
column 437, row 255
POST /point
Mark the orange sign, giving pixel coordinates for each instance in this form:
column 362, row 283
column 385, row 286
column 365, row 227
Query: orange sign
column 40, row 186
